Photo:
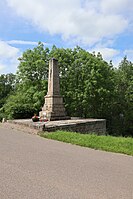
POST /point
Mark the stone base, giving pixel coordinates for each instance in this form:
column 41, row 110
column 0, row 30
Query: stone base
column 57, row 118
column 97, row 126
column 51, row 116
column 53, row 108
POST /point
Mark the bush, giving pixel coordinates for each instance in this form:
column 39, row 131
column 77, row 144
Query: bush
column 2, row 114
column 18, row 107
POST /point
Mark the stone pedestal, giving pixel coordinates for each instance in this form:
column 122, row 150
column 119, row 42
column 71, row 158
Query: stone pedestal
column 53, row 108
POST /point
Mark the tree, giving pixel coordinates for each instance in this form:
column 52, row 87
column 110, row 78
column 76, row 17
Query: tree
column 31, row 84
column 123, row 110
column 90, row 86
column 87, row 82
column 7, row 84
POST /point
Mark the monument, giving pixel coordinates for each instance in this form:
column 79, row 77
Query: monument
column 53, row 108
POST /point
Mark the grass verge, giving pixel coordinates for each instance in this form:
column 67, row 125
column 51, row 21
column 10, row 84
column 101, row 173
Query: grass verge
column 105, row 143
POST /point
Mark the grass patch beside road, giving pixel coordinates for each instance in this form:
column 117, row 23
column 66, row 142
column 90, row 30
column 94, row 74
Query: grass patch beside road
column 105, row 143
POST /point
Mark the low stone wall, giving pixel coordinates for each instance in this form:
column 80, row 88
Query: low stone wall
column 22, row 123
column 96, row 126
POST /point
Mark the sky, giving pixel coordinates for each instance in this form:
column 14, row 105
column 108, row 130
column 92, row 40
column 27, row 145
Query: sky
column 104, row 26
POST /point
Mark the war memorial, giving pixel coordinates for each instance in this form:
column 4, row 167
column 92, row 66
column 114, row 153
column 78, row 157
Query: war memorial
column 53, row 115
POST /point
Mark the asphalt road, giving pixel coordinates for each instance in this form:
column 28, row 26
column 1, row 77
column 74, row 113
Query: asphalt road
column 32, row 167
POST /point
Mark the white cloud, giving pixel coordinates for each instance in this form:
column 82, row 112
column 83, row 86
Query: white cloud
column 92, row 23
column 107, row 53
column 117, row 6
column 21, row 42
column 7, row 51
column 129, row 54
column 2, row 66
column 8, row 58
column 85, row 21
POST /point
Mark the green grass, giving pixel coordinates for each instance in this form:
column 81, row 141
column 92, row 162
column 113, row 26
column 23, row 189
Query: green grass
column 105, row 143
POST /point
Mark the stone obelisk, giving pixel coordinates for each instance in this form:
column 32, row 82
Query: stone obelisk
column 53, row 108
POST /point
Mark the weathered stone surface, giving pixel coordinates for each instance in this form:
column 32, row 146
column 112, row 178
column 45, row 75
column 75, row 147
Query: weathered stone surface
column 53, row 108
column 97, row 126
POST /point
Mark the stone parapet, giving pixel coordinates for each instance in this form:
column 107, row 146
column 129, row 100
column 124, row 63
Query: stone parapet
column 97, row 126
column 86, row 126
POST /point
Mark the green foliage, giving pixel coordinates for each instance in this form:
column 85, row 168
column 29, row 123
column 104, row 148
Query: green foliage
column 2, row 114
column 86, row 82
column 18, row 106
column 122, row 116
column 24, row 103
column 90, row 87
column 31, row 84
column 33, row 67
column 105, row 143
column 7, row 83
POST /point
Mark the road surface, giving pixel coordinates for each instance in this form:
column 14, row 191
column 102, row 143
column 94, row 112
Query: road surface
column 32, row 167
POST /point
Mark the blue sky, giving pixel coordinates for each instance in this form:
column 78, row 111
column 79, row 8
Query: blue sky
column 95, row 25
